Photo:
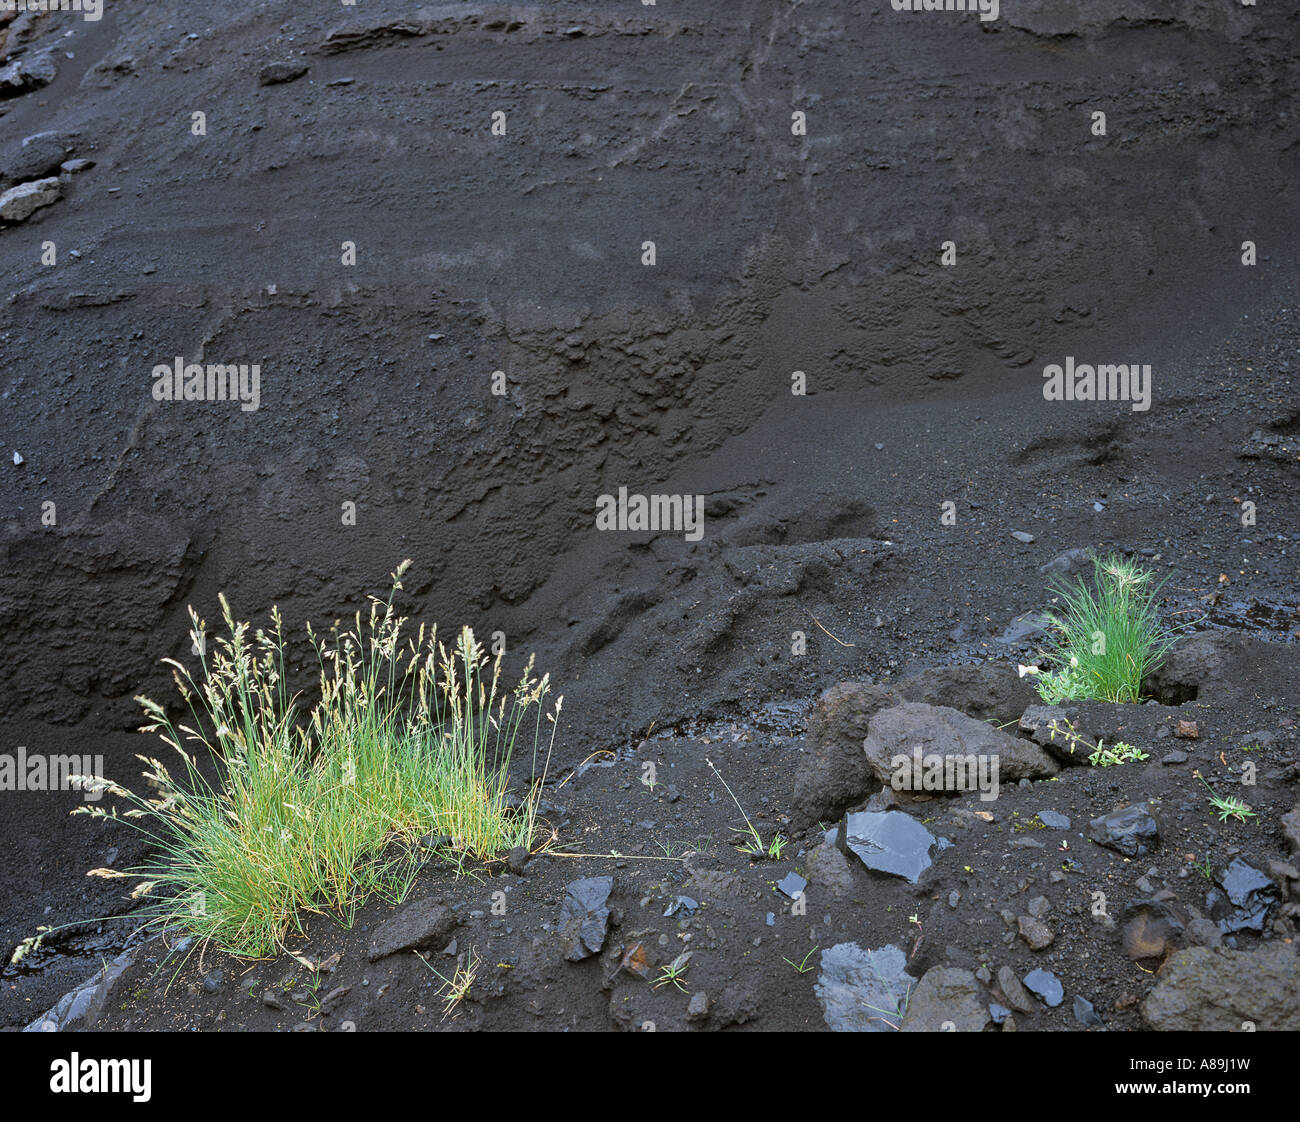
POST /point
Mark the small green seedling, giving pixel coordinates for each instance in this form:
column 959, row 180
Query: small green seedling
column 673, row 973
column 753, row 845
column 457, row 988
column 804, row 966
column 1226, row 806
column 313, row 995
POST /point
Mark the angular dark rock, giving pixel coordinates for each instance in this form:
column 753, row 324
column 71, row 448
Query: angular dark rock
column 332, row 1000
column 1085, row 1014
column 423, row 925
column 833, row 773
column 947, row 996
column 862, row 990
column 991, row 691
column 1046, row 985
column 1191, row 665
column 1013, row 992
column 30, row 72
column 1067, row 562
column 1045, row 725
column 584, row 916
column 935, row 730
column 277, row 73
column 38, row 156
column 889, row 842
column 1131, row 831
column 19, row 203
column 1291, row 829
column 81, row 1008
column 1248, row 896
column 792, row 885
column 1034, row 932
column 1204, row 989
column 1153, row 929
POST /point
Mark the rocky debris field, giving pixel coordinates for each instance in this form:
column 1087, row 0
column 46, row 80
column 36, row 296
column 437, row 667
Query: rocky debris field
column 1081, row 898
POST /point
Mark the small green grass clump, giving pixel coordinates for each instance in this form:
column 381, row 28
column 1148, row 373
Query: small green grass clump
column 674, row 973
column 315, row 811
column 1108, row 635
column 456, row 989
column 803, row 966
column 750, row 842
column 1227, row 806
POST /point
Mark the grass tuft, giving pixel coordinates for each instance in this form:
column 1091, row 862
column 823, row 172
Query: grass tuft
column 750, row 842
column 1227, row 806
column 455, row 990
column 1108, row 635
column 316, row 810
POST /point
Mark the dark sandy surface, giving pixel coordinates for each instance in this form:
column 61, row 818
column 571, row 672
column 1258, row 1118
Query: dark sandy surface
column 775, row 253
